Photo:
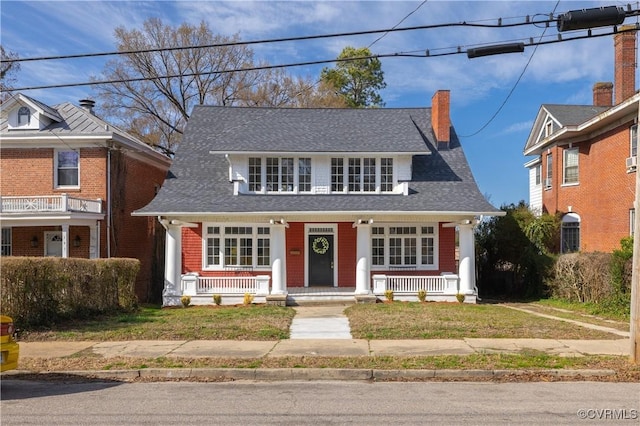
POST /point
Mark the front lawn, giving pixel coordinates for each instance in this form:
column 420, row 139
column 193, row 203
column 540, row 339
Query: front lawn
column 254, row 322
column 402, row 320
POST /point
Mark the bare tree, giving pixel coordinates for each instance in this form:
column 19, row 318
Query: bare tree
column 279, row 89
column 171, row 82
column 8, row 71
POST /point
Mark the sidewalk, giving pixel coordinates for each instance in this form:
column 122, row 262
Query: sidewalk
column 323, row 330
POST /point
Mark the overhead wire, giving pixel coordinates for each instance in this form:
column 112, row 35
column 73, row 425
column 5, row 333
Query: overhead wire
column 506, row 99
column 424, row 54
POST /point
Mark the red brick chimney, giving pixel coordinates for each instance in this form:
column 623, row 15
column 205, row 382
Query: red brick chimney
column 440, row 118
column 625, row 63
column 603, row 94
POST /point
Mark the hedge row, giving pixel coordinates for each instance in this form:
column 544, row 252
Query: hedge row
column 42, row 290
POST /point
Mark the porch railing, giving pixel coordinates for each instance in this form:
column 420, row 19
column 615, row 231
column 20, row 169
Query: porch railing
column 440, row 284
column 49, row 203
column 193, row 285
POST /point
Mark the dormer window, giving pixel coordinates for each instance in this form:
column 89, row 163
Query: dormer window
column 279, row 175
column 24, row 116
column 362, row 175
column 548, row 129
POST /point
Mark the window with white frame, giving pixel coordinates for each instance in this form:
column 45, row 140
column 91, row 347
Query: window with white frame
column 237, row 246
column 5, row 242
column 633, row 143
column 632, row 221
column 24, row 116
column 279, row 174
column 571, row 170
column 538, row 172
column 365, row 174
column 548, row 181
column 403, row 246
column 67, row 165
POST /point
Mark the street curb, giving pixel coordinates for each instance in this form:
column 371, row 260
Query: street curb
column 308, row 374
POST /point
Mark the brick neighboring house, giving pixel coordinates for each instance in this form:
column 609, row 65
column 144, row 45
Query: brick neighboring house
column 70, row 182
column 295, row 204
column 585, row 159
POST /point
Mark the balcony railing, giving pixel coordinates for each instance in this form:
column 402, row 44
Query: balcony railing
column 49, row 203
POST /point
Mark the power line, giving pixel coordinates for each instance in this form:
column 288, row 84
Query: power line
column 514, row 86
column 396, row 25
column 473, row 24
column 426, row 54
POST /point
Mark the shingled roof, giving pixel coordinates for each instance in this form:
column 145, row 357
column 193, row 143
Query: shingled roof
column 442, row 180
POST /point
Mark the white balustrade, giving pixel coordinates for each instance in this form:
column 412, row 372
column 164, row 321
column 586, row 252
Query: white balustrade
column 49, row 203
column 193, row 284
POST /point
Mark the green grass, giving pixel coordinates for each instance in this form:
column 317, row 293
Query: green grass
column 589, row 309
column 401, row 320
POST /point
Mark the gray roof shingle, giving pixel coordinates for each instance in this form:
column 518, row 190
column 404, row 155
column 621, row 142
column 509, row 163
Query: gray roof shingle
column 442, row 180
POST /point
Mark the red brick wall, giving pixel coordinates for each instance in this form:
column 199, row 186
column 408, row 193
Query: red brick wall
column 31, row 172
column 605, row 192
column 295, row 262
column 347, row 246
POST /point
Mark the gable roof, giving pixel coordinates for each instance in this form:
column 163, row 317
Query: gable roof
column 199, row 183
column 70, row 120
column 564, row 115
column 243, row 129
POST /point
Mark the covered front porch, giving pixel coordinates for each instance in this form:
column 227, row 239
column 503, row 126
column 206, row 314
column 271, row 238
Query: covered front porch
column 297, row 261
column 52, row 225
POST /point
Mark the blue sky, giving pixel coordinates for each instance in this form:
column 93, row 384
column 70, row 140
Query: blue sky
column 562, row 73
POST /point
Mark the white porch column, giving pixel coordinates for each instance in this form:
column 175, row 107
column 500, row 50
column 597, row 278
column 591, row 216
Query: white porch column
column 467, row 267
column 65, row 240
column 173, row 261
column 278, row 259
column 363, row 252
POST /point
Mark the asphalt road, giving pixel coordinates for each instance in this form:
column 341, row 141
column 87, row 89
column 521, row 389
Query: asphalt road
column 316, row 403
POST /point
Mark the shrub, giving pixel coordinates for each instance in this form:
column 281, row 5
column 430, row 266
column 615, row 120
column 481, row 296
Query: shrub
column 389, row 295
column 422, row 295
column 42, row 290
column 248, row 299
column 460, row 297
column 217, row 299
column 185, row 300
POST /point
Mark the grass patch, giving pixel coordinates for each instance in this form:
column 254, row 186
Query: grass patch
column 255, row 322
column 456, row 321
column 586, row 309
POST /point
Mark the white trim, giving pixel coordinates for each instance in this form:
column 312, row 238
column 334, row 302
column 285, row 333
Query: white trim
column 329, row 228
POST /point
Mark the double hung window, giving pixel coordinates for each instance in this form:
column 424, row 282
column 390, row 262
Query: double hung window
column 67, row 164
column 571, row 166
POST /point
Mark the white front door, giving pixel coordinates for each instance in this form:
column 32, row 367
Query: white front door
column 53, row 244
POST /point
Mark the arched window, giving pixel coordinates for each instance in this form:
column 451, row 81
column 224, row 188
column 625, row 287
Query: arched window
column 570, row 235
column 24, row 116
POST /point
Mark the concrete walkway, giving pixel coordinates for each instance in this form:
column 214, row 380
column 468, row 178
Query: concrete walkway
column 320, row 322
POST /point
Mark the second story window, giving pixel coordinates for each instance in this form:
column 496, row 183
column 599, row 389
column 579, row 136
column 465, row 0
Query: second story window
column 279, row 174
column 633, row 146
column 571, row 166
column 538, row 171
column 362, row 175
column 549, row 176
column 67, row 168
column 24, row 116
